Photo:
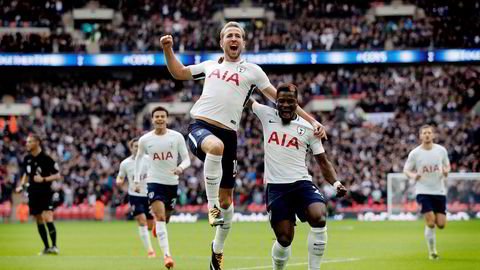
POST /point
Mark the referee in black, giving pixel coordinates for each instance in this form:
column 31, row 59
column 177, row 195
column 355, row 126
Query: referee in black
column 40, row 170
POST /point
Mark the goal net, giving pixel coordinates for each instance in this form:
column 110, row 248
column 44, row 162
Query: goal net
column 463, row 196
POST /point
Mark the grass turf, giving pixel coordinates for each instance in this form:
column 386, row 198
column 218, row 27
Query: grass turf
column 351, row 245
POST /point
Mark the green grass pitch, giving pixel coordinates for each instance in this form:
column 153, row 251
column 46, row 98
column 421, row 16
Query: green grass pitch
column 351, row 245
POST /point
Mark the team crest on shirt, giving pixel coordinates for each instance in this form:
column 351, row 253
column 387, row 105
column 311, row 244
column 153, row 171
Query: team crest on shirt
column 241, row 69
column 301, row 130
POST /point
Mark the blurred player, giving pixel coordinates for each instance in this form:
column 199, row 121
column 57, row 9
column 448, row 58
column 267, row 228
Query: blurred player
column 138, row 200
column 40, row 170
column 213, row 138
column 162, row 146
column 429, row 165
column 290, row 191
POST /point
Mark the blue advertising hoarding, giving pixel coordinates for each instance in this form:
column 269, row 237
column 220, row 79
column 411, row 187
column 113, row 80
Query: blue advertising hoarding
column 263, row 58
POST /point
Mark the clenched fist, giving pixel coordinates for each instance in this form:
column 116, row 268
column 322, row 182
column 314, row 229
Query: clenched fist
column 166, row 41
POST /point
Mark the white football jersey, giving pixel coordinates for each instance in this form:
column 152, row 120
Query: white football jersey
column 286, row 146
column 127, row 169
column 429, row 164
column 226, row 89
column 163, row 152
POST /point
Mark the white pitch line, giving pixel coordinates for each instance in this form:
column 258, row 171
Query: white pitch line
column 297, row 264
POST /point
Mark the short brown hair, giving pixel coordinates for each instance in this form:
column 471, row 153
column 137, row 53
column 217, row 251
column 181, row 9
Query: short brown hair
column 159, row 109
column 425, row 127
column 229, row 25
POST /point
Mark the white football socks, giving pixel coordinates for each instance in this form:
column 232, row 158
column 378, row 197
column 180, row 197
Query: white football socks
column 280, row 255
column 222, row 230
column 317, row 242
column 145, row 237
column 431, row 239
column 162, row 237
column 212, row 170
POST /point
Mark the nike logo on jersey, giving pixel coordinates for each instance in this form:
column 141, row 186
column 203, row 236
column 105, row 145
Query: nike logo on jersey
column 271, row 121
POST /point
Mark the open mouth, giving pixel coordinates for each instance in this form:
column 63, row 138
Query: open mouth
column 234, row 47
column 286, row 114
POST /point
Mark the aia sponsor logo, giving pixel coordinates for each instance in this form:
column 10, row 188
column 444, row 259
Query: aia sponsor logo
column 225, row 76
column 162, row 156
column 283, row 140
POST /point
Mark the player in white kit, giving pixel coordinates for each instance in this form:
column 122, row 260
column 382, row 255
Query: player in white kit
column 213, row 138
column 290, row 191
column 163, row 147
column 429, row 165
column 138, row 200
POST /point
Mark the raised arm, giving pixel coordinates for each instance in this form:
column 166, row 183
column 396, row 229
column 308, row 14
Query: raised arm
column 329, row 173
column 176, row 68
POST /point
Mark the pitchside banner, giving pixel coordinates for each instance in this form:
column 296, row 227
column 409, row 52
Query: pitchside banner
column 264, row 58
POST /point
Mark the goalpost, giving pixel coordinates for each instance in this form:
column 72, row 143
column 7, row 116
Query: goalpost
column 463, row 194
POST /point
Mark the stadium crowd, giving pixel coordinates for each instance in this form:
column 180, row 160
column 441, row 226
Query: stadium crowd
column 86, row 123
column 318, row 26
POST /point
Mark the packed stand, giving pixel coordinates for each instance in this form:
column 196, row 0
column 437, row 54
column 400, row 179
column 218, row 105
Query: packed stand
column 319, row 25
column 86, row 125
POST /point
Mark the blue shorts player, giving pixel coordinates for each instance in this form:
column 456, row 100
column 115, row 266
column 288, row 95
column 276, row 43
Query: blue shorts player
column 137, row 198
column 428, row 165
column 290, row 191
column 162, row 148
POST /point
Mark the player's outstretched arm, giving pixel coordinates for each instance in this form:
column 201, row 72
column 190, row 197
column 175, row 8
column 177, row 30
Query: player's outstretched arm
column 176, row 68
column 329, row 174
column 319, row 130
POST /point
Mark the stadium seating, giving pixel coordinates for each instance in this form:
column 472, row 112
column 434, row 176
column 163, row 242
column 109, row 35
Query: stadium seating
column 332, row 25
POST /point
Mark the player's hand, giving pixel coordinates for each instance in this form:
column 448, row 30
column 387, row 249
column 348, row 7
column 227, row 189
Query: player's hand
column 37, row 178
column 445, row 171
column 177, row 171
column 319, row 130
column 341, row 191
column 137, row 187
column 166, row 42
column 19, row 189
column 119, row 182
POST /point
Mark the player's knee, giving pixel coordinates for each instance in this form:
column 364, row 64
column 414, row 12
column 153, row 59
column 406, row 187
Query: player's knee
column 225, row 201
column 214, row 147
column 285, row 240
column 318, row 222
column 441, row 225
column 39, row 219
column 160, row 217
